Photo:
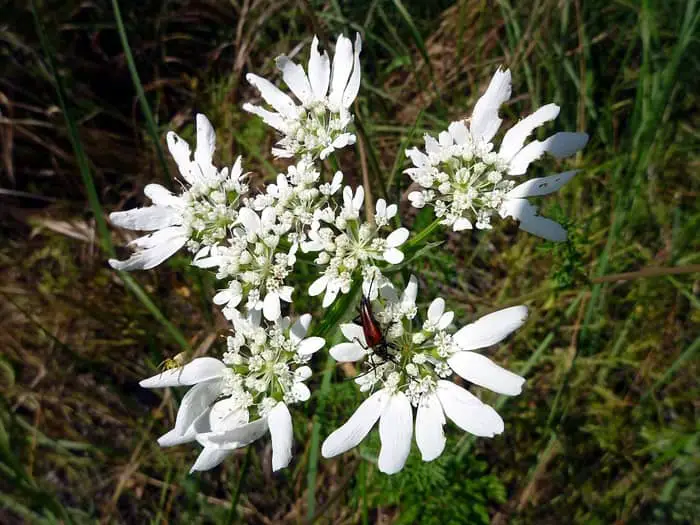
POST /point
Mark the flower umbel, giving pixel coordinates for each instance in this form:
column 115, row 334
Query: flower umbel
column 415, row 374
column 466, row 180
column 318, row 125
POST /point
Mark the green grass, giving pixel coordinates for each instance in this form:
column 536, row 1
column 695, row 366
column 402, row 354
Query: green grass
column 606, row 429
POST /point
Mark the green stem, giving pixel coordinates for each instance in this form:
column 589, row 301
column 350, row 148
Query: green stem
column 418, row 238
column 233, row 515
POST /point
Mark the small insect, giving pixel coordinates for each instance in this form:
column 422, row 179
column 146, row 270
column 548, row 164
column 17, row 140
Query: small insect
column 375, row 339
column 175, row 362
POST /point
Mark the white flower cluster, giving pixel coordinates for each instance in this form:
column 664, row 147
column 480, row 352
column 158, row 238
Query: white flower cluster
column 411, row 368
column 254, row 242
column 466, row 180
column 317, row 126
column 236, row 400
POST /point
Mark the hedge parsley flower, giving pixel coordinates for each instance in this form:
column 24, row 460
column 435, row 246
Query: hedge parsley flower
column 236, row 400
column 318, row 125
column 467, row 181
column 421, row 358
column 199, row 217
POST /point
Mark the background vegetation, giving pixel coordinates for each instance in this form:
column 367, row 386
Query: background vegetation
column 607, row 428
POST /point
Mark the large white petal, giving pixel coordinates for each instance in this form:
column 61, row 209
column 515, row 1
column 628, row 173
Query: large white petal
column 395, row 433
column 393, row 255
column 353, row 86
column 430, row 419
column 180, row 151
column 270, row 118
column 397, row 237
column 559, row 145
column 491, row 328
column 319, row 71
column 347, row 352
column 342, row 65
column 353, row 332
column 515, row 137
column 153, row 256
column 481, row 371
column 162, row 197
column 196, row 371
column 357, row 427
column 209, row 458
column 485, row 120
column 436, row 309
column 148, row 218
column 300, row 327
column 467, row 411
column 273, row 96
column 250, row 220
column 206, row 141
column 236, row 437
column 281, row 432
column 531, row 222
column 411, row 291
column 311, row 345
column 541, row 185
column 271, row 306
column 318, row 286
column 295, row 77
column 194, row 403
column 458, row 131
column 174, row 438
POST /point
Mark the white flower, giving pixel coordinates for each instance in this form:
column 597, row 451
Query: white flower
column 317, row 126
column 347, row 245
column 200, row 216
column 466, row 180
column 414, row 373
column 262, row 372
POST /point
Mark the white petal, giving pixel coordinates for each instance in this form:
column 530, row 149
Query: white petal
column 559, row 145
column 353, row 332
column 462, row 224
column 531, row 222
column 227, row 414
column 515, row 137
column 342, row 65
column 194, row 403
column 411, row 291
column 148, row 218
column 397, row 237
column 393, row 256
column 467, row 411
column 481, row 371
column 491, row 328
column 196, row 371
column 270, row 118
column 319, row 71
column 353, row 86
column 485, row 120
column 430, row 419
column 395, row 433
column 301, row 391
column 330, row 296
column 180, row 151
column 280, row 421
column 273, row 96
column 236, row 437
column 311, row 345
column 300, row 327
column 419, row 158
column 302, row 373
column 357, row 427
column 347, row 352
column 250, row 220
column 540, row 186
column 318, row 286
column 295, row 77
column 436, row 309
column 209, row 458
column 151, row 257
column 459, row 132
column 445, row 320
column 271, row 306
column 162, row 197
column 206, row 141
